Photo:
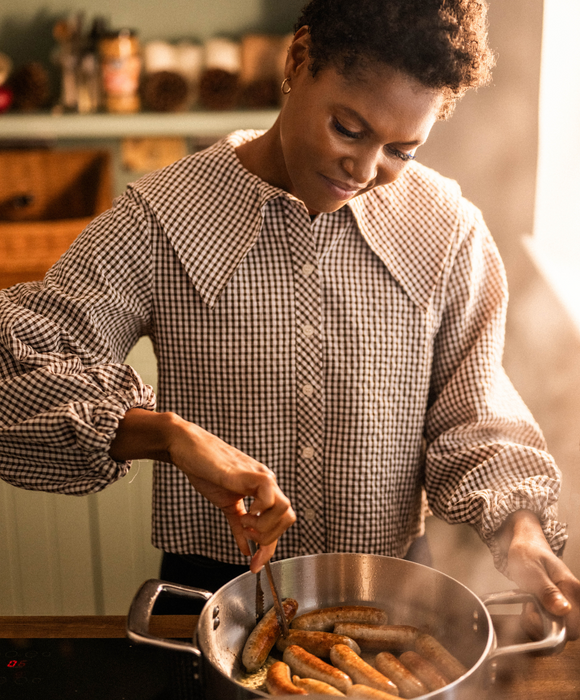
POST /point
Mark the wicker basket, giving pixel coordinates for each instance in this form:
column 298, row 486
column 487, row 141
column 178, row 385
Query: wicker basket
column 47, row 197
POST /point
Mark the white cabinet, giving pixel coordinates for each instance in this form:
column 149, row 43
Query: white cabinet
column 69, row 555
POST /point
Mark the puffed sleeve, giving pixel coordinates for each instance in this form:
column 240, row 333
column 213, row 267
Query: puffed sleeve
column 63, row 385
column 486, row 456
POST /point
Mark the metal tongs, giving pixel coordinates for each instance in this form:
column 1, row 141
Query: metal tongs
column 282, row 621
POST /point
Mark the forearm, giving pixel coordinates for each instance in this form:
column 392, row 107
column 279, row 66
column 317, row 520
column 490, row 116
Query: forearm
column 144, row 434
column 523, row 526
column 220, row 472
column 200, row 455
column 167, row 437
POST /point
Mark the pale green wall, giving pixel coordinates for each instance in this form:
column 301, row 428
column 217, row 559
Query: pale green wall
column 26, row 25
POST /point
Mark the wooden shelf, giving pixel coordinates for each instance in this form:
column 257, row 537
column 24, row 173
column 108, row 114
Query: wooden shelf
column 144, row 124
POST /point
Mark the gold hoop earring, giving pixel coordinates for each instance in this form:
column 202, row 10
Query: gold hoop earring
column 285, row 87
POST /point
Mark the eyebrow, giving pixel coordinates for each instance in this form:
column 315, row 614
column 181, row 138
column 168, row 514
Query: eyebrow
column 368, row 127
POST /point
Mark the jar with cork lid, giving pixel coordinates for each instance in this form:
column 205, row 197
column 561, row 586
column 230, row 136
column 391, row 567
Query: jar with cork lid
column 120, row 56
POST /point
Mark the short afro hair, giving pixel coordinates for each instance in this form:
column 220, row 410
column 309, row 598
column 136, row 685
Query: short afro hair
column 440, row 43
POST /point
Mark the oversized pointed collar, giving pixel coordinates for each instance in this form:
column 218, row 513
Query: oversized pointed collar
column 411, row 226
column 211, row 209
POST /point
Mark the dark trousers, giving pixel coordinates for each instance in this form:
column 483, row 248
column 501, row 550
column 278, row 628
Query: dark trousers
column 210, row 574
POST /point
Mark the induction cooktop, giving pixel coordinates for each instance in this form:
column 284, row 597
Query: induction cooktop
column 107, row 669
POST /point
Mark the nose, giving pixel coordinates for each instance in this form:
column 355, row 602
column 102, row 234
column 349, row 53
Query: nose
column 364, row 167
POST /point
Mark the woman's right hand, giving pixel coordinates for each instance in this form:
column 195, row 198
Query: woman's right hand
column 220, row 472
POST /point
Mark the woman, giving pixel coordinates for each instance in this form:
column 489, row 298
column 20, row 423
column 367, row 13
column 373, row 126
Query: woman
column 315, row 298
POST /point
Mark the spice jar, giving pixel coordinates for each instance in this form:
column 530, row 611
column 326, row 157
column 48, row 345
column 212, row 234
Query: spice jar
column 120, row 70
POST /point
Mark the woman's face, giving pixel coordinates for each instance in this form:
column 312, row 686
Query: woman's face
column 341, row 136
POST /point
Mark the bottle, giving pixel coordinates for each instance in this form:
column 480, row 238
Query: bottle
column 120, row 70
column 88, row 87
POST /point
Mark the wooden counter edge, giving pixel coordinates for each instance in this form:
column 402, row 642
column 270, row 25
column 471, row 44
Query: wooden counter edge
column 91, row 626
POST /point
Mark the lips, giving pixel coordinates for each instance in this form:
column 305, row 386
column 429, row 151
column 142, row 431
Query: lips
column 341, row 190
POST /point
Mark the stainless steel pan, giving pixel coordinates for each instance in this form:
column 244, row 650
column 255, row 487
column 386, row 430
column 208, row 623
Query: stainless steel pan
column 411, row 593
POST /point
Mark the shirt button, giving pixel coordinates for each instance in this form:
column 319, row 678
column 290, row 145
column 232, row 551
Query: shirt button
column 308, row 452
column 308, row 390
column 308, row 269
column 309, row 513
column 308, row 330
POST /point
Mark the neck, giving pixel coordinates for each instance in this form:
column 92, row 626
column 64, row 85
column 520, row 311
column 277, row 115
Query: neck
column 263, row 157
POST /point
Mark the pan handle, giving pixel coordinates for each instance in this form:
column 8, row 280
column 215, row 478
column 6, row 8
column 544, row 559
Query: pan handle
column 142, row 607
column 554, row 627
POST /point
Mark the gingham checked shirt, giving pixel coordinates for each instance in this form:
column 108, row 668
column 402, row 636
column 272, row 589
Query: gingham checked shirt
column 357, row 355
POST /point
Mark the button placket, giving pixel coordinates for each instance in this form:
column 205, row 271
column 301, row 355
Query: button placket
column 309, row 380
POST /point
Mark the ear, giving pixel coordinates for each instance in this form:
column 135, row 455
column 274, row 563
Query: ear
column 298, row 54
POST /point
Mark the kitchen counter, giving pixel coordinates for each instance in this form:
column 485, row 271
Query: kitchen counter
column 525, row 677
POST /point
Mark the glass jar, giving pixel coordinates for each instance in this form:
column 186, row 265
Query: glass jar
column 120, row 70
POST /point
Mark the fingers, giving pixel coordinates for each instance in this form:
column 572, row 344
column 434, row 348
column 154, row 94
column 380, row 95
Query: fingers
column 234, row 514
column 554, row 602
column 225, row 476
column 546, row 576
column 531, row 622
column 536, row 569
column 270, row 514
column 263, row 527
column 571, row 589
column 561, row 594
column 268, row 497
column 264, row 554
column 562, row 601
column 269, row 526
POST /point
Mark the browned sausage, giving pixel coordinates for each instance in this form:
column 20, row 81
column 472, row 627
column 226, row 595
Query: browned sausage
column 278, row 681
column 264, row 635
column 365, row 693
column 347, row 660
column 314, row 687
column 433, row 651
column 317, row 643
column 409, row 685
column 324, row 619
column 424, row 670
column 306, row 665
column 379, row 637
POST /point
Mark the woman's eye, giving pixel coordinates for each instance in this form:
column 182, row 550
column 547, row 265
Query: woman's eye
column 401, row 155
column 346, row 132
column 391, row 150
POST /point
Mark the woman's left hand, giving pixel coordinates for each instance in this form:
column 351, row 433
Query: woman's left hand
column 534, row 568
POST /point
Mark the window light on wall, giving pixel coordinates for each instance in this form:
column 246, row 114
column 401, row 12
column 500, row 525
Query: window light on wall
column 555, row 244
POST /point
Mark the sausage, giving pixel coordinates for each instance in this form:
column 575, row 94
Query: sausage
column 379, row 637
column 317, row 643
column 347, row 660
column 306, row 665
column 424, row 670
column 433, row 651
column 409, row 685
column 365, row 693
column 314, row 687
column 264, row 635
column 278, row 681
column 324, row 619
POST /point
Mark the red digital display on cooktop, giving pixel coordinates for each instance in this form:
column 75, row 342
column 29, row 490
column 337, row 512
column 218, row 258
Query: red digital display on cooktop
column 107, row 669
